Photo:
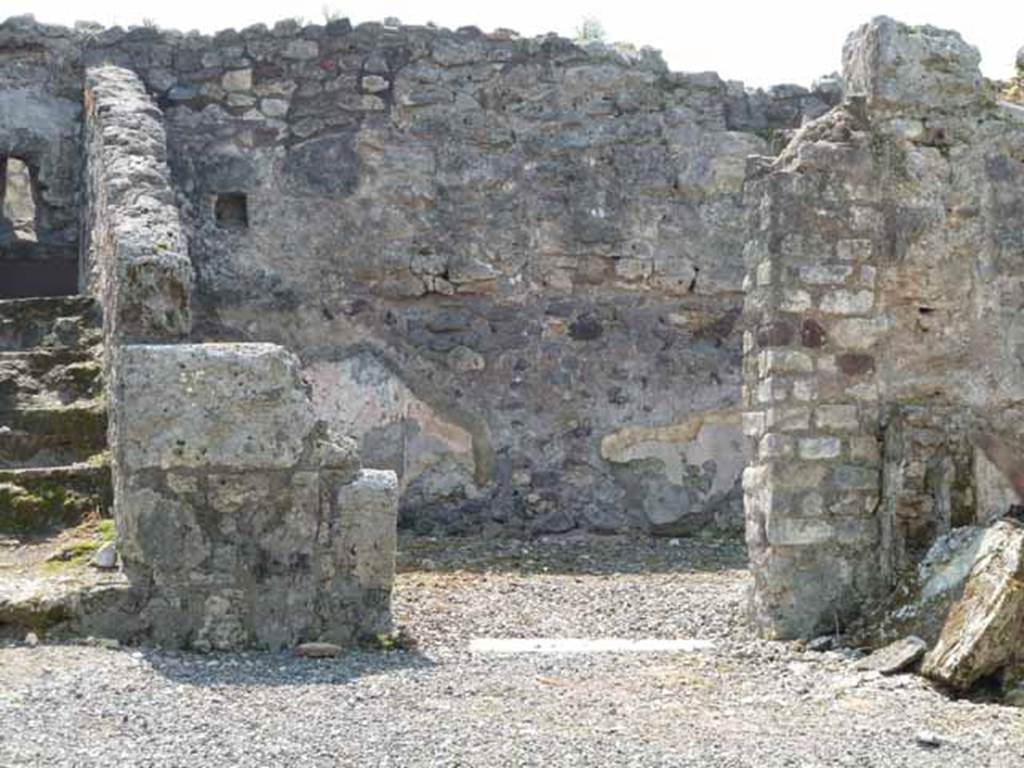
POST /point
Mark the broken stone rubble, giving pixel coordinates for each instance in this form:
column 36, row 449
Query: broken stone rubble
column 961, row 609
column 984, row 631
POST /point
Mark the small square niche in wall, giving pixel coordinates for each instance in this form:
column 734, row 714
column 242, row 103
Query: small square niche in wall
column 231, row 210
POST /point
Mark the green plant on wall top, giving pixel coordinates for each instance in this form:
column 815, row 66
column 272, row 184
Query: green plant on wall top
column 590, row 30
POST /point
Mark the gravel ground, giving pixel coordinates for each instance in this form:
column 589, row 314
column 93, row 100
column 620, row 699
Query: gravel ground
column 742, row 703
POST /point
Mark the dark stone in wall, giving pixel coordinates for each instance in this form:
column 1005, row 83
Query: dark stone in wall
column 326, row 165
column 853, row 364
column 812, row 334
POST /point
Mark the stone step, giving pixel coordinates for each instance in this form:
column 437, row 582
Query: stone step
column 56, row 600
column 39, row 500
column 63, row 321
column 47, row 378
column 51, row 436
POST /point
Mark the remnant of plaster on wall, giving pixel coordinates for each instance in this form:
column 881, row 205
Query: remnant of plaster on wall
column 362, row 397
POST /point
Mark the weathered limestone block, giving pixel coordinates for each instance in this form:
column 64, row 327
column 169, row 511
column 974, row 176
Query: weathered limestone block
column 226, row 406
column 901, row 67
column 367, row 541
column 922, row 598
column 895, row 657
column 242, row 522
column 983, row 631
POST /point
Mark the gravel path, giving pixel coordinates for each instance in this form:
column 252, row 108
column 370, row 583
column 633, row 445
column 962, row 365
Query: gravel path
column 743, row 703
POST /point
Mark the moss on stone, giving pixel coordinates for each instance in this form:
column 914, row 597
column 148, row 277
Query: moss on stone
column 100, row 459
column 107, row 530
column 32, row 504
column 72, row 554
column 36, row 616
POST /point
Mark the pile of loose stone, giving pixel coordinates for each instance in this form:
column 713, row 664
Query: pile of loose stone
column 959, row 616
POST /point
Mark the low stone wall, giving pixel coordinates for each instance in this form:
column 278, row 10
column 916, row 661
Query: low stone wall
column 240, row 521
column 136, row 260
column 240, row 524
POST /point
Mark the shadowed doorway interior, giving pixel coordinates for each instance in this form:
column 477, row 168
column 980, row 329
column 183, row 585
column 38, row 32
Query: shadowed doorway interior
column 29, row 264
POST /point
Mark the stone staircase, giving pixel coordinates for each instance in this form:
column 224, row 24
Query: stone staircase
column 54, row 469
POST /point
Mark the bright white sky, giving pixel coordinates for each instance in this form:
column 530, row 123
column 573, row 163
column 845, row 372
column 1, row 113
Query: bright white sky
column 761, row 43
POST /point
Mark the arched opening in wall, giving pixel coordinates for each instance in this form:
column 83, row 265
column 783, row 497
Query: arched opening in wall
column 30, row 263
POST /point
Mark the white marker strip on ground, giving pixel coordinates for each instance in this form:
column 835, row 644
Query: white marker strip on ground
column 584, row 645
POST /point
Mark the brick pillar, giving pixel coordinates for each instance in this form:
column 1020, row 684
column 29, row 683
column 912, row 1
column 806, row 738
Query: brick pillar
column 812, row 487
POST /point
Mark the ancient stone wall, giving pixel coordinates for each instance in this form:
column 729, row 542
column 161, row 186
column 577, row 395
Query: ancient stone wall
column 883, row 266
column 512, row 267
column 135, row 259
column 40, row 125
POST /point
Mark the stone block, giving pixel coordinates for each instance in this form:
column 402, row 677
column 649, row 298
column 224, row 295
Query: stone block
column 896, row 657
column 368, row 520
column 814, row 448
column 795, row 300
column 851, row 477
column 231, row 406
column 825, row 274
column 848, row 302
column 302, row 50
column 858, row 333
column 778, row 333
column 796, row 475
column 772, row 390
column 864, row 448
column 805, row 390
column 812, row 334
column 235, row 80
column 775, row 361
column 274, row 107
column 753, row 423
column 773, row 446
column 855, row 364
column 982, row 632
column 788, row 418
column 837, row 417
column 375, row 84
column 784, row 531
column 911, row 68
column 257, row 558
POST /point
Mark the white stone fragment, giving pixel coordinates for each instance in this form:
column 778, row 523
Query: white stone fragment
column 106, row 556
column 848, row 302
column 237, row 80
column 572, row 645
column 819, row 447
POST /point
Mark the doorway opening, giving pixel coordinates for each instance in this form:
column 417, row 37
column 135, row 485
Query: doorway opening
column 30, row 263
